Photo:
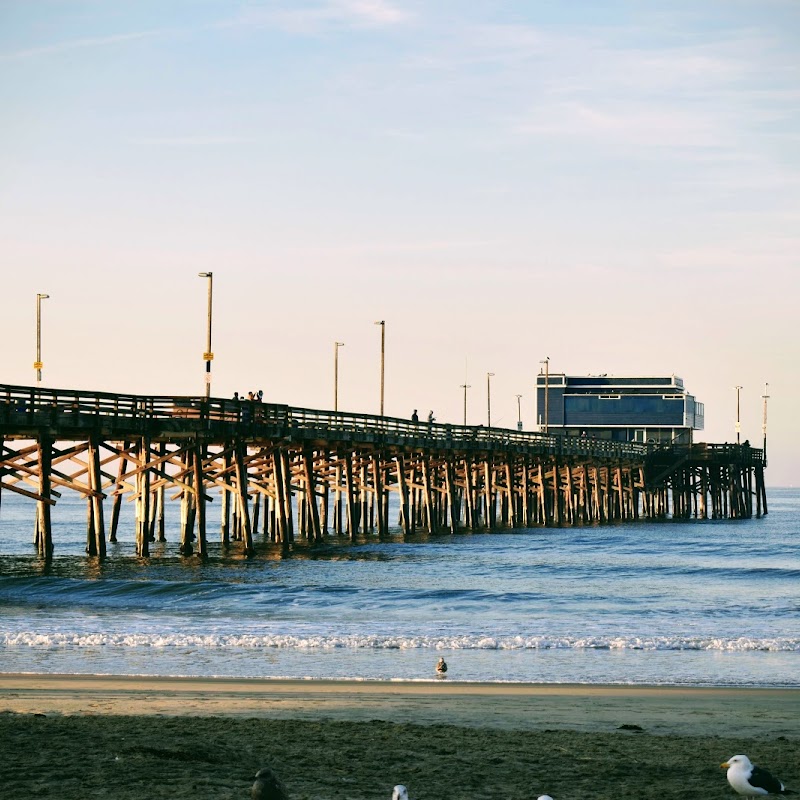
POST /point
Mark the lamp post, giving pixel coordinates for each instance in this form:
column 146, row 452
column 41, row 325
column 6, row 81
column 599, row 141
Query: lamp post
column 738, row 423
column 465, row 386
column 519, row 412
column 489, row 376
column 546, row 363
column 38, row 363
column 765, row 397
column 208, row 355
column 336, row 346
column 382, row 323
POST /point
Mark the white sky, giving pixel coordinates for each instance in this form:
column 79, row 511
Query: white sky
column 615, row 185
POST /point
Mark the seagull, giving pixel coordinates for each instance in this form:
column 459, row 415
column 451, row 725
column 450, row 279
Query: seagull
column 268, row 786
column 441, row 667
column 752, row 781
column 399, row 792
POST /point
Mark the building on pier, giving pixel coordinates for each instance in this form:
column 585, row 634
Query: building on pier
column 645, row 409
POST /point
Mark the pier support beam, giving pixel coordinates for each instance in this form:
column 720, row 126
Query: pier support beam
column 244, row 510
column 143, row 498
column 98, row 546
column 315, row 529
column 44, row 531
column 402, row 487
column 200, row 499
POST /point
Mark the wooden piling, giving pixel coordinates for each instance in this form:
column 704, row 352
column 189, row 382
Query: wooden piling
column 200, row 498
column 143, row 498
column 44, row 537
column 243, row 507
column 96, row 499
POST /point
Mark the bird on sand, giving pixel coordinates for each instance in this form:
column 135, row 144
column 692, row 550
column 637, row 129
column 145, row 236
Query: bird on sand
column 268, row 786
column 750, row 780
column 399, row 792
column 441, row 666
column 544, row 797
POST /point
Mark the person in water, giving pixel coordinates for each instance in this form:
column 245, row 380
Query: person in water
column 441, row 666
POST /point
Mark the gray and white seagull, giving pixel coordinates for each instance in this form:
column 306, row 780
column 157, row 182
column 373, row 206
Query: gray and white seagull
column 751, row 781
column 268, row 786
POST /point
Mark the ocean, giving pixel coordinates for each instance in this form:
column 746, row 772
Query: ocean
column 696, row 602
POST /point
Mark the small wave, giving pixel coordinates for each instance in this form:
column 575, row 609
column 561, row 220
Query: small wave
column 135, row 594
column 360, row 642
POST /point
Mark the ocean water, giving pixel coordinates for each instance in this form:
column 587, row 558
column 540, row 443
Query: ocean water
column 685, row 603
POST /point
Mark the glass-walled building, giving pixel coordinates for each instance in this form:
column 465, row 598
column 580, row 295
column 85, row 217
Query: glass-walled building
column 643, row 409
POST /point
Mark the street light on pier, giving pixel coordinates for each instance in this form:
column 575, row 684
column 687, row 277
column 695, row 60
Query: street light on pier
column 489, row 376
column 519, row 412
column 38, row 363
column 546, row 363
column 738, row 423
column 765, row 397
column 208, row 355
column 382, row 323
column 336, row 346
column 465, row 386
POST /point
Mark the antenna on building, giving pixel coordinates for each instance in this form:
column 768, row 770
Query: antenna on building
column 738, row 419
column 546, row 363
column 765, row 397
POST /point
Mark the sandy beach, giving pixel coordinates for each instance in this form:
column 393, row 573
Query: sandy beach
column 89, row 737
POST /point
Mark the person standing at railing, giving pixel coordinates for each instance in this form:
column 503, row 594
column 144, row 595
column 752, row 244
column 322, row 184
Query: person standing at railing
column 415, row 416
column 431, row 418
column 247, row 408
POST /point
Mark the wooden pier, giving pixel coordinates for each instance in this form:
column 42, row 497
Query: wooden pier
column 279, row 472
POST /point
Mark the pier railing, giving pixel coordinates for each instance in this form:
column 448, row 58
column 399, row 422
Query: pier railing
column 63, row 410
column 23, row 407
column 706, row 452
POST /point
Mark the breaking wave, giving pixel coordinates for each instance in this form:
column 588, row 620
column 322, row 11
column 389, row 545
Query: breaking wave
column 35, row 639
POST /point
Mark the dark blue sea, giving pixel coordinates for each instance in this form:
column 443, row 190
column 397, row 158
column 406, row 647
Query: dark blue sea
column 688, row 603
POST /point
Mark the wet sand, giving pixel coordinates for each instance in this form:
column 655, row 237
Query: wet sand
column 90, row 737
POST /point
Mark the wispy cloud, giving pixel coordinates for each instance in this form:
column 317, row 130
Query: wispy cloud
column 394, row 247
column 316, row 17
column 624, row 123
column 191, row 141
column 603, row 85
column 375, row 12
column 742, row 255
column 79, row 44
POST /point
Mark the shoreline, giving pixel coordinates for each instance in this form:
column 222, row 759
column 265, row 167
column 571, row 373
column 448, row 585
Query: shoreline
column 662, row 710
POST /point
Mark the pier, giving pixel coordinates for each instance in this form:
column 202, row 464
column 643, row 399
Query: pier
column 278, row 472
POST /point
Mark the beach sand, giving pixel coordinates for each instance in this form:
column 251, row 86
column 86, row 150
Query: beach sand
column 77, row 738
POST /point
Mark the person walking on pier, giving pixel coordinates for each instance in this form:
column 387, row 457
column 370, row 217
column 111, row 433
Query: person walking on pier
column 431, row 418
column 415, row 416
